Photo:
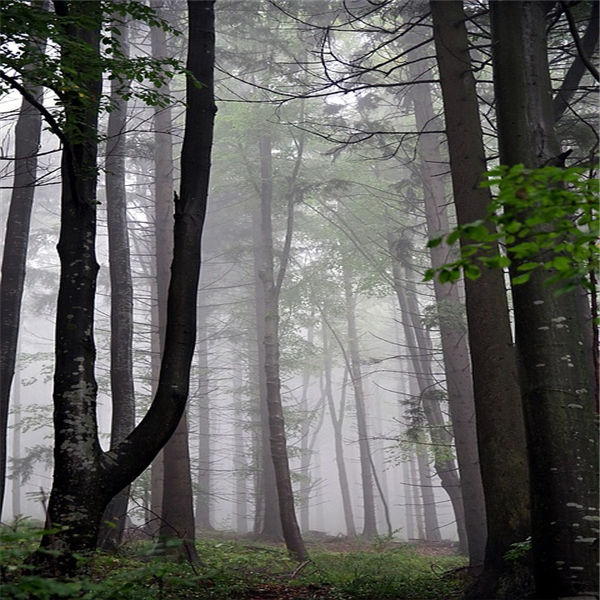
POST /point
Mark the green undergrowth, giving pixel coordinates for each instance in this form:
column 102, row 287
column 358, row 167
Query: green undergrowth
column 243, row 569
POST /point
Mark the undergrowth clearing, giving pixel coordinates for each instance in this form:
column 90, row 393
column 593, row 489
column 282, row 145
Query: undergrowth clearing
column 245, row 569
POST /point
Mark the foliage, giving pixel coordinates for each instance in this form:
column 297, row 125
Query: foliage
column 28, row 64
column 547, row 220
column 231, row 569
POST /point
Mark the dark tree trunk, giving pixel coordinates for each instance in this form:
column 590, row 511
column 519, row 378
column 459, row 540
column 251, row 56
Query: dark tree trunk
column 500, row 427
column 85, row 478
column 121, row 299
column 369, row 520
column 289, row 525
column 556, row 370
column 455, row 352
column 27, row 141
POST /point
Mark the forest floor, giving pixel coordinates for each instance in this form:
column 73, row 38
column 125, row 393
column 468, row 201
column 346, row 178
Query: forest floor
column 247, row 569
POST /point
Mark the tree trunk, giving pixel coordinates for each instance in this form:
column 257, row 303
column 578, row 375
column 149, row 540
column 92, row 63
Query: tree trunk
column 289, row 525
column 556, row 370
column 419, row 344
column 337, row 421
column 16, row 444
column 239, row 461
column 455, row 352
column 163, row 244
column 85, row 478
column 500, row 429
column 204, row 487
column 267, row 503
column 121, row 300
column 27, row 141
column 369, row 522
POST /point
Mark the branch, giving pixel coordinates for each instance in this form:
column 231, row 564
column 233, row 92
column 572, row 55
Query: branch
column 580, row 50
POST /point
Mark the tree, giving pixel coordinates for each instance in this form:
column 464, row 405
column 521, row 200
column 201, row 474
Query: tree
column 121, row 295
column 85, row 477
column 27, row 140
column 500, row 428
column 272, row 289
column 555, row 366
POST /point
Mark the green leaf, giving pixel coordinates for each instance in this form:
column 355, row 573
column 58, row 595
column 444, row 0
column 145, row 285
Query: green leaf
column 432, row 243
column 561, row 263
column 519, row 279
column 472, row 271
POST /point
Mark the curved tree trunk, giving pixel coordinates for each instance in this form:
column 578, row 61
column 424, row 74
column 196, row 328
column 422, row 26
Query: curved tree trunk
column 85, row 478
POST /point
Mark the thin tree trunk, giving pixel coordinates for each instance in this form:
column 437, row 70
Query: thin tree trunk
column 27, row 141
column 419, row 343
column 16, row 443
column 289, row 525
column 239, row 460
column 337, row 421
column 455, row 352
column 500, row 429
column 121, row 299
column 409, row 508
column 163, row 242
column 369, row 522
column 417, row 505
column 556, row 370
column 203, row 512
column 267, row 519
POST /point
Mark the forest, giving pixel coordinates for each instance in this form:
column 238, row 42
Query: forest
column 299, row 299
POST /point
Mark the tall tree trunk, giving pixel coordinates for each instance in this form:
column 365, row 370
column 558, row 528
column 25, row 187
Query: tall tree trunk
column 337, row 421
column 204, row 484
column 500, row 428
column 417, row 505
column 556, row 370
column 419, row 344
column 27, row 142
column 455, row 352
column 85, row 478
column 409, row 508
column 432, row 526
column 16, row 443
column 267, row 516
column 163, row 245
column 121, row 299
column 289, row 525
column 305, row 450
column 369, row 520
column 239, row 460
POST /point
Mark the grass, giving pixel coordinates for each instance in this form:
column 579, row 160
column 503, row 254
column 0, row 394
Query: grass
column 242, row 569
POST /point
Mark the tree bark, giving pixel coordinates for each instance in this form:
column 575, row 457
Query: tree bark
column 85, row 478
column 500, row 428
column 419, row 343
column 289, row 525
column 369, row 520
column 204, row 484
column 27, row 141
column 121, row 299
column 556, row 371
column 455, row 352
column 163, row 246
column 337, row 421
column 267, row 504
